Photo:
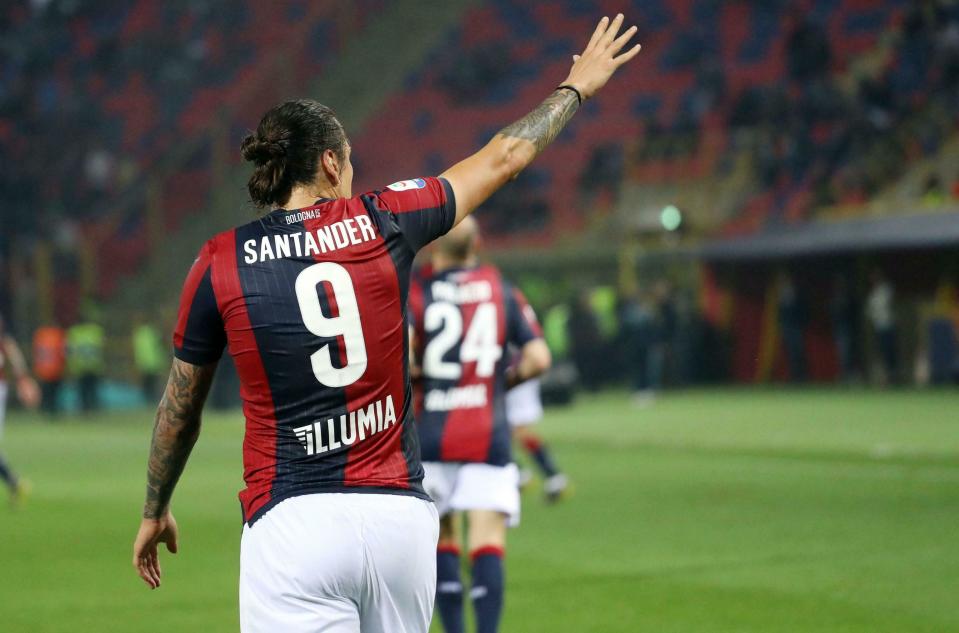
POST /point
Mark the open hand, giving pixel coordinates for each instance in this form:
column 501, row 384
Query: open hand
column 597, row 63
column 145, row 558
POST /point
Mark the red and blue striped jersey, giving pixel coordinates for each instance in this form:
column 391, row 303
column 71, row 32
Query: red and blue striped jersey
column 311, row 304
column 463, row 321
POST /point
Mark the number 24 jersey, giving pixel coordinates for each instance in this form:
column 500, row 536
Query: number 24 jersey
column 464, row 321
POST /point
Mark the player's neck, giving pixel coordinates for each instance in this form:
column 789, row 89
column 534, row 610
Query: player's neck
column 302, row 197
column 441, row 262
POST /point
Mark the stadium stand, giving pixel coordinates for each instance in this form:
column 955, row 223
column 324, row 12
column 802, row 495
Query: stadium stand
column 131, row 85
column 778, row 113
column 779, row 85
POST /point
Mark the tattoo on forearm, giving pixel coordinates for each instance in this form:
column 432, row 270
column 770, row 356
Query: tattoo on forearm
column 544, row 123
column 175, row 432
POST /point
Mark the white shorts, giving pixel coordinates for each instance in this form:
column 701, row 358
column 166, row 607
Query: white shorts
column 340, row 563
column 523, row 404
column 457, row 486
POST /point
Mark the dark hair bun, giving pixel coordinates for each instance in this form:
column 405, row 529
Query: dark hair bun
column 286, row 148
column 261, row 151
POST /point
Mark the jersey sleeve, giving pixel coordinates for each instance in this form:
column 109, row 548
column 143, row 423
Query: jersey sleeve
column 199, row 337
column 423, row 208
column 522, row 326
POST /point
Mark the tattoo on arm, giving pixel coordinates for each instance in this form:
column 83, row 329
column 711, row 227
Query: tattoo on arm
column 544, row 123
column 175, row 432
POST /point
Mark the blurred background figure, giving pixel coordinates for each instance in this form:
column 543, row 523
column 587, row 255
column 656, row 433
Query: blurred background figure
column 586, row 341
column 556, row 331
column 881, row 313
column 50, row 364
column 150, row 356
column 85, row 360
column 846, row 315
column 793, row 315
column 636, row 333
column 663, row 334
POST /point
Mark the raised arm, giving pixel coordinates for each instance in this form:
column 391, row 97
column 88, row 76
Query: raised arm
column 509, row 152
column 175, row 432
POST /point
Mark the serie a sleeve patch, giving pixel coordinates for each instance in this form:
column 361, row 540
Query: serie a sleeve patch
column 406, row 185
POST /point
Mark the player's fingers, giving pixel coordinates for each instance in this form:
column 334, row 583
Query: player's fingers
column 598, row 33
column 149, row 566
column 143, row 575
column 628, row 55
column 146, row 573
column 611, row 32
column 155, row 566
column 622, row 39
column 145, row 556
column 171, row 544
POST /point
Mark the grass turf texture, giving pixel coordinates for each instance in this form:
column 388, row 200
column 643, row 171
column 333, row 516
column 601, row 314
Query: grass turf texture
column 741, row 510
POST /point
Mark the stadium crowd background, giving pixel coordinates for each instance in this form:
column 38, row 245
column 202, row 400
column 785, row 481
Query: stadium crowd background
column 771, row 195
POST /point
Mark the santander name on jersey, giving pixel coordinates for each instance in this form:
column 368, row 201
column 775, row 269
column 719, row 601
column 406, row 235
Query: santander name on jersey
column 326, row 239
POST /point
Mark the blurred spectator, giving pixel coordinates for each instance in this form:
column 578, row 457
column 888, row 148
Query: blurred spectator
column 474, row 74
column 556, row 330
column 522, row 208
column 792, row 313
column 603, row 173
column 807, row 49
column 100, row 168
column 604, row 301
column 845, row 313
column 586, row 341
column 880, row 311
column 50, row 364
column 662, row 334
column 933, row 195
column 636, row 338
column 149, row 356
column 85, row 361
column 691, row 361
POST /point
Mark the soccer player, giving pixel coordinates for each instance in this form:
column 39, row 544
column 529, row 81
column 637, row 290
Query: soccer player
column 11, row 358
column 464, row 316
column 310, row 301
column 524, row 408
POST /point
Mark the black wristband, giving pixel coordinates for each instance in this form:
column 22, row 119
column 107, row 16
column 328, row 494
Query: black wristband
column 579, row 95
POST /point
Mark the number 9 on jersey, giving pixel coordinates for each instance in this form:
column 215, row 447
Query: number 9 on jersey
column 346, row 324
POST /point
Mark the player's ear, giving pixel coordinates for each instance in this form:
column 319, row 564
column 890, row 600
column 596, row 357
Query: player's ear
column 331, row 167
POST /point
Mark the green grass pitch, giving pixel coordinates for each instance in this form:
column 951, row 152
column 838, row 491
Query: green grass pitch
column 742, row 510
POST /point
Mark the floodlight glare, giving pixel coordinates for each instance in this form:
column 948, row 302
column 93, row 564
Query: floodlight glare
column 671, row 217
